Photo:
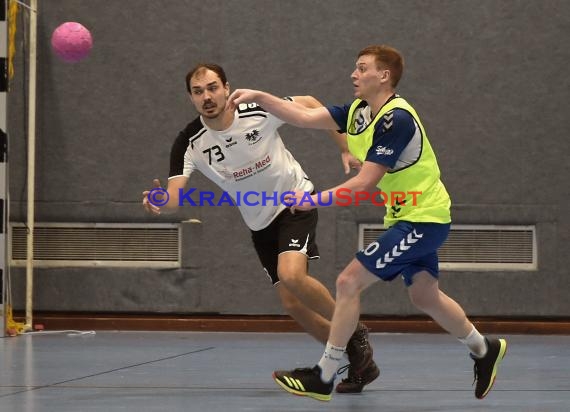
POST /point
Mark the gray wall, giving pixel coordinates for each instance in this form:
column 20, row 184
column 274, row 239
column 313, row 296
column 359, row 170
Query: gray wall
column 488, row 79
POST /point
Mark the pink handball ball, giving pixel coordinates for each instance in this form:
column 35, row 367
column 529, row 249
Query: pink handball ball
column 71, row 41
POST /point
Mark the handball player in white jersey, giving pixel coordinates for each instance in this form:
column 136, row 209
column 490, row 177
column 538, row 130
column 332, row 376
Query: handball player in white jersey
column 241, row 151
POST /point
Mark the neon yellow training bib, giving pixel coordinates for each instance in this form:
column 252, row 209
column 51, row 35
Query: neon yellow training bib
column 414, row 193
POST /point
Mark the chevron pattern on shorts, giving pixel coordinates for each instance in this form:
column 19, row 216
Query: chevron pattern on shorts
column 399, row 249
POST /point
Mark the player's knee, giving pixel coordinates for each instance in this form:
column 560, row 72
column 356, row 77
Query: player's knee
column 290, row 277
column 346, row 285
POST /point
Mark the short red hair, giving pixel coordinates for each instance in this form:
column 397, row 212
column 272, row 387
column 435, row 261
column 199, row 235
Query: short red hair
column 386, row 58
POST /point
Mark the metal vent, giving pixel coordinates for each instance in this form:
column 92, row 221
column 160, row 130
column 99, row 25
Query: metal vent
column 477, row 247
column 98, row 244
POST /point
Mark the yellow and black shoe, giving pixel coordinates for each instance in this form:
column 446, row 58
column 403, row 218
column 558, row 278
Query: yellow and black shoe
column 305, row 382
column 485, row 368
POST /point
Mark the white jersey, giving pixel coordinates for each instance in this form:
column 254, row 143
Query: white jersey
column 249, row 156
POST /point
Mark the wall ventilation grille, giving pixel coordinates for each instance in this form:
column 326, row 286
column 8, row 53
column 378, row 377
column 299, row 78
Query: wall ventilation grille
column 478, row 247
column 98, row 244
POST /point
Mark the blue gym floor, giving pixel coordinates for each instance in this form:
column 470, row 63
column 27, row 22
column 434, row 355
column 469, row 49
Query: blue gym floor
column 226, row 372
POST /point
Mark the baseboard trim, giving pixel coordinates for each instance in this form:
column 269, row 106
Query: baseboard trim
column 277, row 323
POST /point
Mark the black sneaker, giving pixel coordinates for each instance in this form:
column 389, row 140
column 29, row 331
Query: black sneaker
column 485, row 368
column 362, row 369
column 356, row 381
column 305, row 382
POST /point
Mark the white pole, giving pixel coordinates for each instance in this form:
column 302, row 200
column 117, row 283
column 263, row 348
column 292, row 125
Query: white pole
column 31, row 163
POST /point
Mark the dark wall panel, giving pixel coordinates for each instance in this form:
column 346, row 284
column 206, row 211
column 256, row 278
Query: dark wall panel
column 488, row 79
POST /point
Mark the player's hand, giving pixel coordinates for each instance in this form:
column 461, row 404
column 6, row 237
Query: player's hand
column 153, row 198
column 350, row 162
column 299, row 201
column 241, row 96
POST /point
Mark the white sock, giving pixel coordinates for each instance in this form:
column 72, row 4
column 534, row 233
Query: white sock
column 476, row 343
column 329, row 361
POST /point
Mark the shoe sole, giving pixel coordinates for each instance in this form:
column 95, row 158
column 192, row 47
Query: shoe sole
column 502, row 353
column 317, row 396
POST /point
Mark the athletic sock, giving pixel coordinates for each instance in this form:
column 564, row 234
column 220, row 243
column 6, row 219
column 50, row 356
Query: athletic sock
column 476, row 343
column 329, row 361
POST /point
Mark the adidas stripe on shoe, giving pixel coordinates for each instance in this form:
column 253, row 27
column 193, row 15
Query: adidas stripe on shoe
column 305, row 382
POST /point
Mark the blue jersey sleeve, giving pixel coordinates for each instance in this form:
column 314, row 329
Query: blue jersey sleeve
column 340, row 116
column 392, row 133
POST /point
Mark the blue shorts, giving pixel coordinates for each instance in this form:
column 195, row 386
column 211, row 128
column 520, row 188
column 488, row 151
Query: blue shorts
column 406, row 248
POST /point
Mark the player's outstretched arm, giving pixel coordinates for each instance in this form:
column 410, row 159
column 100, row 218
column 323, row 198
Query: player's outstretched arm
column 288, row 111
column 355, row 189
column 348, row 160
